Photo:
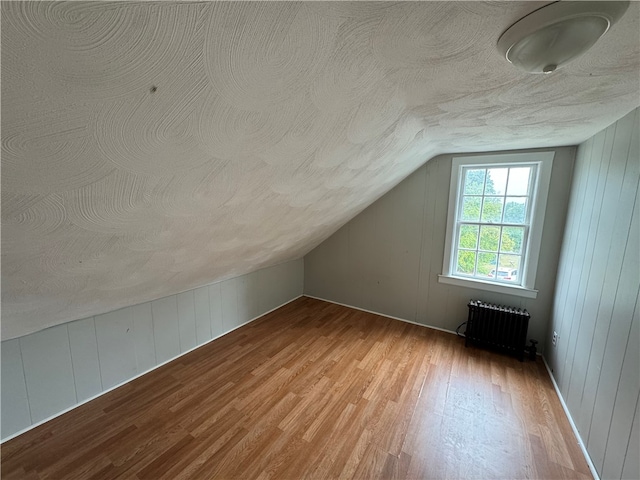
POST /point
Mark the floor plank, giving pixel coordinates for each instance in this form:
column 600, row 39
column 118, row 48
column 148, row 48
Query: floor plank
column 315, row 390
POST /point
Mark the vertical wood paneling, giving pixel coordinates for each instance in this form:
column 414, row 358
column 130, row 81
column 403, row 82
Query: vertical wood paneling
column 116, row 349
column 84, row 357
column 268, row 291
column 15, row 403
column 48, row 371
column 617, row 336
column 593, row 291
column 627, row 395
column 166, row 331
column 143, row 341
column 215, row 310
column 203, row 315
column 229, row 296
column 548, row 276
column 596, row 310
column 247, row 297
column 579, row 192
column 579, row 259
column 94, row 354
column 611, row 273
column 631, row 468
column 566, row 256
column 576, row 371
column 187, row 320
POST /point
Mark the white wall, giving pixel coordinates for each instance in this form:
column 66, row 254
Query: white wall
column 52, row 370
column 596, row 360
column 388, row 258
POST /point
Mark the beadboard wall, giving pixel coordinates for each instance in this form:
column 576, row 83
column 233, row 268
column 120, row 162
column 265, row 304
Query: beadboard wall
column 596, row 312
column 53, row 370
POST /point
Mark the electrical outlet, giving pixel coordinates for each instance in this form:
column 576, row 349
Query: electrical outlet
column 554, row 340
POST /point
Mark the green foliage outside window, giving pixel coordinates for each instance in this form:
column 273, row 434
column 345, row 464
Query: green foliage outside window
column 486, row 263
column 482, row 250
column 466, row 262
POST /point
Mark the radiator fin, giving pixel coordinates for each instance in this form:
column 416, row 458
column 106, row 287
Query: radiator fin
column 497, row 327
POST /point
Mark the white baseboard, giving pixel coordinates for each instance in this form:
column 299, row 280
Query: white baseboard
column 381, row 314
column 37, row 424
column 592, row 467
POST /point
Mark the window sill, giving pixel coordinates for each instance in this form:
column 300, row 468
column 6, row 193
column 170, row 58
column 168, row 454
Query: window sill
column 488, row 286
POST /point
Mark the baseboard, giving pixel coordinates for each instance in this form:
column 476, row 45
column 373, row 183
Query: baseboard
column 592, row 467
column 66, row 410
column 381, row 314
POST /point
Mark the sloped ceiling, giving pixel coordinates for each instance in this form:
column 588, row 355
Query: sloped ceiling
column 151, row 148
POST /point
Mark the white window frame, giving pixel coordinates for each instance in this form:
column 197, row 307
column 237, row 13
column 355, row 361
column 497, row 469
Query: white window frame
column 531, row 244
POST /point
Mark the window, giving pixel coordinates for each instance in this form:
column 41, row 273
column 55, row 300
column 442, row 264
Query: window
column 496, row 214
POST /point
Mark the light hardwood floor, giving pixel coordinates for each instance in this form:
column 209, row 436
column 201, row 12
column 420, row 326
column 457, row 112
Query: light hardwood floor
column 316, row 390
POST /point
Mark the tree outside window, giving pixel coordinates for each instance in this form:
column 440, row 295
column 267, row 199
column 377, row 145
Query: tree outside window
column 492, row 222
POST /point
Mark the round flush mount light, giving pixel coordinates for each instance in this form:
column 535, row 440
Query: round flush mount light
column 555, row 34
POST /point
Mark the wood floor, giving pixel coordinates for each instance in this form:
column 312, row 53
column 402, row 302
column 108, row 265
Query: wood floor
column 315, row 390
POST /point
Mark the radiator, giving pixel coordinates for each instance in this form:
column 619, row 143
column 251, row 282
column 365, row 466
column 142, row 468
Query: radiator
column 497, row 327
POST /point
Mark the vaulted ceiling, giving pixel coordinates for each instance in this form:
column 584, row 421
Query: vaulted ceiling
column 149, row 148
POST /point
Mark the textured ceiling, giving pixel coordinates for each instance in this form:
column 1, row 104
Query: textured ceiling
column 155, row 147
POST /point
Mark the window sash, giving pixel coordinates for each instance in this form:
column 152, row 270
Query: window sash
column 526, row 224
column 536, row 197
column 523, row 250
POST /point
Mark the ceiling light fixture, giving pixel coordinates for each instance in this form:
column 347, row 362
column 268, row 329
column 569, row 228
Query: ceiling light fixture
column 555, row 34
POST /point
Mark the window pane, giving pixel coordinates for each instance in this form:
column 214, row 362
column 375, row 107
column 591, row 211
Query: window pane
column 466, row 262
column 509, row 268
column 489, row 238
column 496, row 181
column 468, row 236
column 492, row 209
column 512, row 239
column 515, row 211
column 471, row 209
column 486, row 264
column 474, row 182
column 503, row 274
column 519, row 181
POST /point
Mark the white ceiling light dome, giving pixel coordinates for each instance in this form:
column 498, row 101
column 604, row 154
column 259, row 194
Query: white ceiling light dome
column 555, row 34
